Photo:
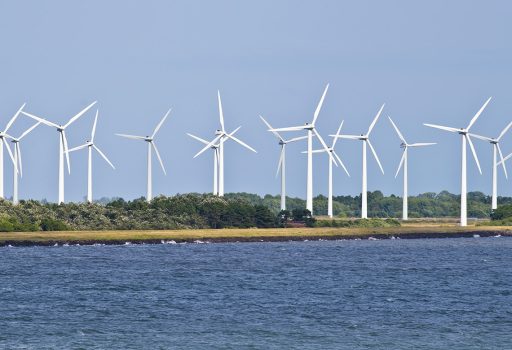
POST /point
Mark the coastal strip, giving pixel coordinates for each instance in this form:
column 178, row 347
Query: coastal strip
column 244, row 235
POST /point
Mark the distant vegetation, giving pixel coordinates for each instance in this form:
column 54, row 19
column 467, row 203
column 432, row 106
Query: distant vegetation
column 426, row 205
column 235, row 210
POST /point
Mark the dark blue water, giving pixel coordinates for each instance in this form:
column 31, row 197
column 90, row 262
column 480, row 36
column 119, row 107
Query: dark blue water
column 392, row 294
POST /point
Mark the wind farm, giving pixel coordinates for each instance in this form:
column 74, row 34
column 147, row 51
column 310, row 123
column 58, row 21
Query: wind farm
column 221, row 136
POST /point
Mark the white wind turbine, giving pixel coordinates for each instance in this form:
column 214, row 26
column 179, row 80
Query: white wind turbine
column 3, row 140
column 333, row 152
column 215, row 149
column 403, row 162
column 366, row 141
column 282, row 160
column 311, row 130
column 496, row 149
column 465, row 136
column 221, row 137
column 151, row 145
column 63, row 144
column 18, row 167
column 90, row 146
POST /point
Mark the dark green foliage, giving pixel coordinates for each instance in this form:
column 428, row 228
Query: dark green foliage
column 234, row 210
column 430, row 204
column 358, row 223
column 49, row 224
column 503, row 212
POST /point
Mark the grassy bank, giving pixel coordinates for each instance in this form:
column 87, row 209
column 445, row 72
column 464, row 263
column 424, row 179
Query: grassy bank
column 232, row 235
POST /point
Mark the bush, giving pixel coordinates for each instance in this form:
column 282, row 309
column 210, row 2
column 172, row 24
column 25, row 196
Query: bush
column 49, row 224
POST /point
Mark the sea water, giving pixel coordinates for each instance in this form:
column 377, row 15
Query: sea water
column 384, row 294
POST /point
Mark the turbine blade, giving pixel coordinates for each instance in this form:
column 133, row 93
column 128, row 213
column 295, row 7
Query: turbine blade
column 401, row 163
column 63, row 135
column 484, row 138
column 26, row 132
column 10, row 152
column 397, row 131
column 296, row 139
column 473, row 120
column 78, row 148
column 445, row 128
column 504, row 131
column 44, row 121
column 241, row 143
column 104, row 156
column 221, row 113
column 198, row 138
column 505, row 159
column 276, row 134
column 14, row 117
column 474, row 153
column 161, row 122
column 315, row 151
column 348, row 137
column 18, row 149
column 158, row 156
column 79, row 114
column 319, row 106
column 502, row 160
column 132, row 137
column 234, row 131
column 337, row 134
column 291, row 128
column 325, row 146
column 280, row 161
column 93, row 132
column 375, row 155
column 375, row 120
column 421, row 144
column 341, row 163
column 212, row 143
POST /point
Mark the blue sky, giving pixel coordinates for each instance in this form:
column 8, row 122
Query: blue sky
column 430, row 61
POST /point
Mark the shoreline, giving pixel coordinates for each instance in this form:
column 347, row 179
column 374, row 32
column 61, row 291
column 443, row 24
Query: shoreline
column 52, row 238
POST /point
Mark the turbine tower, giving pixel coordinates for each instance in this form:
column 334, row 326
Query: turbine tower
column 366, row 142
column 333, row 152
column 403, row 162
column 281, row 166
column 465, row 136
column 90, row 146
column 63, row 144
column 215, row 149
column 310, row 130
column 3, row 137
column 151, row 145
column 18, row 167
column 219, row 140
column 496, row 149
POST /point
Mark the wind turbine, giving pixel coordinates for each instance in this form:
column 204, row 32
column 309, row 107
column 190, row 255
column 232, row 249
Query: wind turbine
column 403, row 162
column 311, row 130
column 90, row 146
column 18, row 167
column 3, row 140
column 151, row 145
column 465, row 136
column 222, row 136
column 63, row 144
column 366, row 141
column 282, row 160
column 333, row 152
column 496, row 149
column 215, row 149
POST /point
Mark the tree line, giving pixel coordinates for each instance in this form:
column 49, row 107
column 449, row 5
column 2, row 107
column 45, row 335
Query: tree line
column 234, row 210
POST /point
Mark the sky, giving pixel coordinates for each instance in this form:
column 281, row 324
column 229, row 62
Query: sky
column 429, row 61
